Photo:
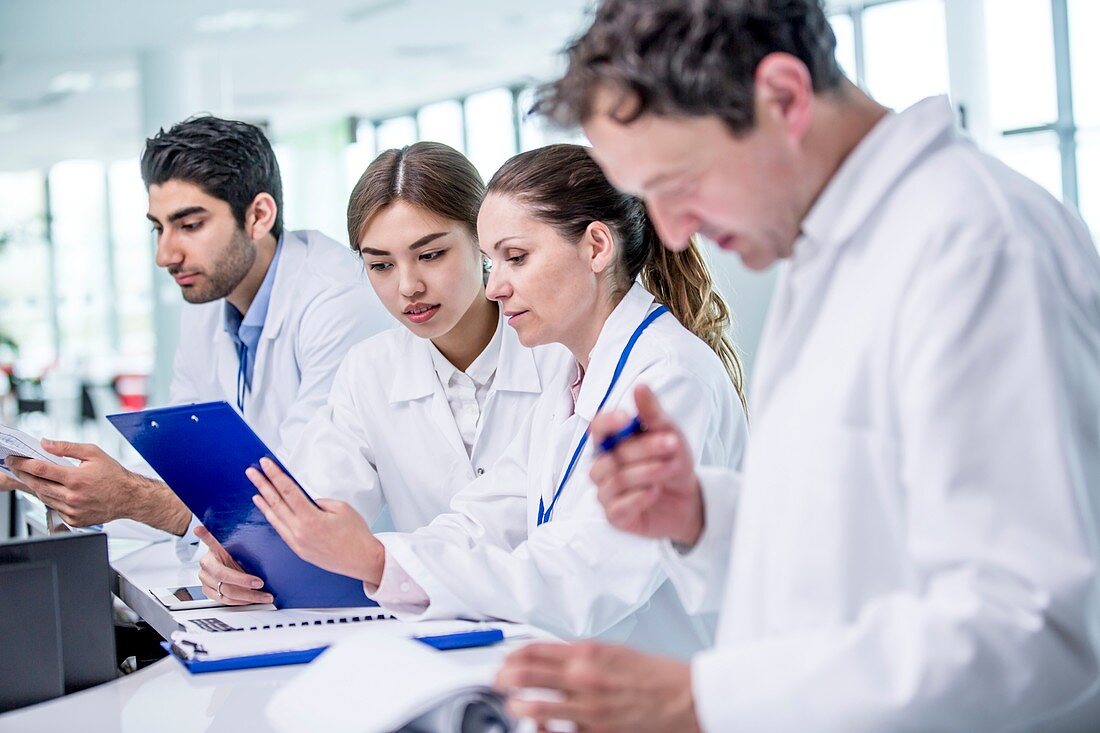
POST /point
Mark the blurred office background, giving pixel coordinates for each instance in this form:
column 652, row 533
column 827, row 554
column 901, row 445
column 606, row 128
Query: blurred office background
column 88, row 326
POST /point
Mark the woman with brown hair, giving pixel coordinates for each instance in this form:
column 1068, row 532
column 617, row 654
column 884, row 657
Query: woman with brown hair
column 417, row 412
column 577, row 263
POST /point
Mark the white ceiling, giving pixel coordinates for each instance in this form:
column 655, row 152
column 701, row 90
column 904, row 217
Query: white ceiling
column 70, row 83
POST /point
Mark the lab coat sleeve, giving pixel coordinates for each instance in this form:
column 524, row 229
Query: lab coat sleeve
column 330, row 326
column 995, row 374
column 334, row 457
column 699, row 573
column 575, row 576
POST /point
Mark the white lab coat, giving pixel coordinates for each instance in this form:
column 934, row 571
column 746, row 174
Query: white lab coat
column 915, row 540
column 387, row 436
column 321, row 305
column 577, row 576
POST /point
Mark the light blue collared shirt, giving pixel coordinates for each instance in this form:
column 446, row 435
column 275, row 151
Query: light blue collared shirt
column 245, row 329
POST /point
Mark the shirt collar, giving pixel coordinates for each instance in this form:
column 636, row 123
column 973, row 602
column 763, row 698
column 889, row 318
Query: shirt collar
column 616, row 331
column 482, row 368
column 254, row 319
column 514, row 367
column 871, row 169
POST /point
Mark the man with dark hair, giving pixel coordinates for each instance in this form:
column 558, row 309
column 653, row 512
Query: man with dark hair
column 270, row 316
column 912, row 542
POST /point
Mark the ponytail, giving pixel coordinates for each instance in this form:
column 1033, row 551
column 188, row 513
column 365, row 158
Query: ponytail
column 682, row 281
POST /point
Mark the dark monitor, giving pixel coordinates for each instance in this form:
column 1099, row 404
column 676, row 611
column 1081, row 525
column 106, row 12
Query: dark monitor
column 83, row 591
column 30, row 635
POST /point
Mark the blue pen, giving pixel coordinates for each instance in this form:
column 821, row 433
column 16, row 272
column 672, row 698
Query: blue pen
column 632, row 428
column 463, row 639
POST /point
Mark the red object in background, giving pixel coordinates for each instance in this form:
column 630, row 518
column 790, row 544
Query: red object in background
column 132, row 391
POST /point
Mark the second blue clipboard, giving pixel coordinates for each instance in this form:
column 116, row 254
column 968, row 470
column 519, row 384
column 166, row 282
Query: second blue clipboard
column 201, row 451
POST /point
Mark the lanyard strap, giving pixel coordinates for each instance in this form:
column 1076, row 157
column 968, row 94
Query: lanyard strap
column 242, row 381
column 544, row 513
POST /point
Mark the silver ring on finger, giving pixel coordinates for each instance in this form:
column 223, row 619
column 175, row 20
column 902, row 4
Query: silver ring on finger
column 220, row 589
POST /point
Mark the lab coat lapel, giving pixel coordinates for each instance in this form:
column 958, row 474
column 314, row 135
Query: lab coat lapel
column 791, row 318
column 445, row 421
column 418, row 381
column 566, row 432
column 225, row 359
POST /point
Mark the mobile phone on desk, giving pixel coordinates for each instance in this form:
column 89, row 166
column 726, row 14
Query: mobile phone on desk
column 184, row 597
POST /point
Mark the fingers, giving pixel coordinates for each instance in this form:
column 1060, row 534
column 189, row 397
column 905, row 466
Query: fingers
column 289, row 491
column 607, row 423
column 649, row 409
column 39, row 469
column 532, row 674
column 53, row 494
column 208, row 539
column 10, row 484
column 216, row 548
column 624, row 511
column 236, row 585
column 80, row 451
column 273, row 517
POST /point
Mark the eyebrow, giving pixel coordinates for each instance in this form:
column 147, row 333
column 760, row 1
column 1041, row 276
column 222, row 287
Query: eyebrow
column 177, row 215
column 502, row 240
column 422, row 242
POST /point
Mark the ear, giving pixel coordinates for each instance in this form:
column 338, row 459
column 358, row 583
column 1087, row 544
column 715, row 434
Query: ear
column 784, row 94
column 601, row 246
column 260, row 217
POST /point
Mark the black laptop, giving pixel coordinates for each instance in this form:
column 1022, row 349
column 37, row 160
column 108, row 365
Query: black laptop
column 55, row 606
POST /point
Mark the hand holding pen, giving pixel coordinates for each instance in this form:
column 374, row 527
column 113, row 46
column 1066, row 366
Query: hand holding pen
column 645, row 478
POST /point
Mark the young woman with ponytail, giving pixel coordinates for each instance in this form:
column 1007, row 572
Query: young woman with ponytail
column 573, row 261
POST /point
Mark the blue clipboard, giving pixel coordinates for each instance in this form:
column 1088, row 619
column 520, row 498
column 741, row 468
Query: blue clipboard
column 251, row 661
column 201, row 451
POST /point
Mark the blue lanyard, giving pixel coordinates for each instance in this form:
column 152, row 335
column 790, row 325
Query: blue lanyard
column 544, row 513
column 242, row 382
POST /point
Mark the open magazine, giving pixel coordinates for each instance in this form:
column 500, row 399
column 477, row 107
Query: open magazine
column 15, row 442
column 379, row 682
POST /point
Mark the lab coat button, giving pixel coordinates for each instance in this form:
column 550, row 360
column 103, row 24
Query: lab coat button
column 481, row 472
column 404, row 587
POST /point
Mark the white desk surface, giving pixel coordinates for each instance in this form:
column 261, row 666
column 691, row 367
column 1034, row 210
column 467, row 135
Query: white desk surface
column 165, row 697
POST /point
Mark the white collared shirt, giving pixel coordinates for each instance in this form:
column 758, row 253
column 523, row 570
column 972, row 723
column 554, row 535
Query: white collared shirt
column 468, row 390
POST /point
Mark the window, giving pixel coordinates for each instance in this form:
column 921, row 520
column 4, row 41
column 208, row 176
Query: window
column 905, row 51
column 396, row 132
column 490, row 130
column 78, row 200
column 26, row 314
column 442, row 123
column 536, row 131
column 1084, row 60
column 845, row 32
column 133, row 252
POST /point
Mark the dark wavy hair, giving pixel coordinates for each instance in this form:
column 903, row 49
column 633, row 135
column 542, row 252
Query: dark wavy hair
column 228, row 159
column 688, row 57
